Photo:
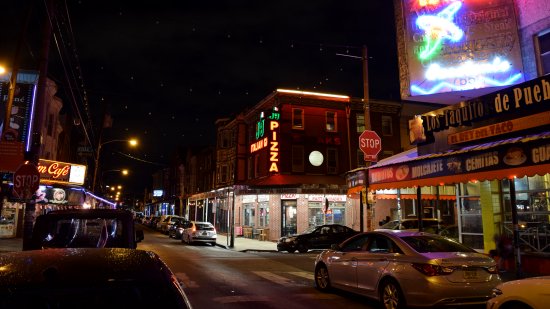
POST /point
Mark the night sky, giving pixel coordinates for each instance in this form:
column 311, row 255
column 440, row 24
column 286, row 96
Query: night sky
column 166, row 70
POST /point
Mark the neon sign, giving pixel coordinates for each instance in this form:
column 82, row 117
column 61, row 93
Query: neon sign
column 274, row 149
column 439, row 27
column 458, row 45
column 271, row 141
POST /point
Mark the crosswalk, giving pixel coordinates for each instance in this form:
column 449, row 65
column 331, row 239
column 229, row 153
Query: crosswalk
column 283, row 278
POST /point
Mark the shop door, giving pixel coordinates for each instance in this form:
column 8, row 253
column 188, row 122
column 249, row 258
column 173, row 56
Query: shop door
column 289, row 218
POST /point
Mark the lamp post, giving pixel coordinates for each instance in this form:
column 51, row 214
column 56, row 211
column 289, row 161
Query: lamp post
column 132, row 142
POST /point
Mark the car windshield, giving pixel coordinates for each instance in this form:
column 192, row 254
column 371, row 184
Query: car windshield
column 80, row 233
column 310, row 229
column 392, row 225
column 425, row 244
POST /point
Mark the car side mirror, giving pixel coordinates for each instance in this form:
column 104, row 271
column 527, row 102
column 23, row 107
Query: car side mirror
column 139, row 235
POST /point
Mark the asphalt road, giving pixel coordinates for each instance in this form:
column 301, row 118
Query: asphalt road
column 214, row 277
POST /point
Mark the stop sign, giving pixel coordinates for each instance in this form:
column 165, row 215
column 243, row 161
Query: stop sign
column 25, row 181
column 371, row 144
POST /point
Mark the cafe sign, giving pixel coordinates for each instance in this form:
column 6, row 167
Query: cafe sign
column 61, row 172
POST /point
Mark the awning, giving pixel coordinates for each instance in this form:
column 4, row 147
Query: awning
column 295, row 180
column 414, row 196
column 514, row 157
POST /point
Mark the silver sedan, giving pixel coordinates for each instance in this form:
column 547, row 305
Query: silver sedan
column 406, row 268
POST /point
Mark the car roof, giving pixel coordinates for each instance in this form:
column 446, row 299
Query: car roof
column 79, row 266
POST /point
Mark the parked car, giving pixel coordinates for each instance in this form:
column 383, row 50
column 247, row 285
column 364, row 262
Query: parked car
column 450, row 231
column 78, row 228
column 153, row 222
column 319, row 237
column 88, row 278
column 167, row 222
column 430, row 225
column 176, row 230
column 528, row 293
column 408, row 268
column 196, row 231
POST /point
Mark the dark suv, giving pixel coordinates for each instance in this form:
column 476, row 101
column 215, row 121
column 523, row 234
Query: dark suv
column 84, row 228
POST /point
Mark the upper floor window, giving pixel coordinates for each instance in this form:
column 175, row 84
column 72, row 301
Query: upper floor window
column 542, row 43
column 387, row 127
column 331, row 121
column 332, row 161
column 360, row 123
column 297, row 158
column 297, row 118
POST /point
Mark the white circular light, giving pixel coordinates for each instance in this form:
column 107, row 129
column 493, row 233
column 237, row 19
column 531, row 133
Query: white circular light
column 316, row 158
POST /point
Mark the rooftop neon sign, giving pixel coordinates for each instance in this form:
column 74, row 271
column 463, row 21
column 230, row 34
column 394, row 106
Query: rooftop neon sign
column 458, row 45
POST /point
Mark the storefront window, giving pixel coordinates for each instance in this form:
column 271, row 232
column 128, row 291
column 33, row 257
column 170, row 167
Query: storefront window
column 315, row 214
column 470, row 214
column 336, row 214
column 289, row 222
column 264, row 214
column 249, row 215
column 533, row 209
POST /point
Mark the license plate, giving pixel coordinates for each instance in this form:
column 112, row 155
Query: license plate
column 204, row 233
column 470, row 274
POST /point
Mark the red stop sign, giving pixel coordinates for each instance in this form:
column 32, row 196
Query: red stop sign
column 371, row 144
column 25, row 181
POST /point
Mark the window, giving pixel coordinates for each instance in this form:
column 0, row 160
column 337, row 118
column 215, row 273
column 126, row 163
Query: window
column 256, row 166
column 542, row 46
column 223, row 173
column 251, row 167
column 360, row 123
column 385, row 154
column 331, row 121
column 297, row 158
column 332, row 161
column 297, row 118
column 387, row 128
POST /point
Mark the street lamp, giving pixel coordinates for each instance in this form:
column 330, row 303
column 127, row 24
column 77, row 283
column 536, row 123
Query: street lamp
column 132, row 142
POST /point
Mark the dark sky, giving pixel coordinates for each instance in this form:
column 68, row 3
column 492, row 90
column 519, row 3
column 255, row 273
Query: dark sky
column 166, row 70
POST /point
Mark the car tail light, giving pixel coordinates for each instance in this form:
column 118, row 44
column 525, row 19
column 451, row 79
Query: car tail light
column 432, row 270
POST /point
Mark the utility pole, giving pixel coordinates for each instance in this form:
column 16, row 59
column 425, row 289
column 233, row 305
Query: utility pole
column 38, row 117
column 366, row 108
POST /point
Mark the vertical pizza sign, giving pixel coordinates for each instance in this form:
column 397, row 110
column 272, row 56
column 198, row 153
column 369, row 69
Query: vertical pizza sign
column 457, row 45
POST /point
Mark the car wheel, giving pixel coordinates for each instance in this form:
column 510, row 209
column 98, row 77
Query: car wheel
column 291, row 250
column 213, row 244
column 302, row 248
column 391, row 296
column 515, row 305
column 322, row 280
column 182, row 238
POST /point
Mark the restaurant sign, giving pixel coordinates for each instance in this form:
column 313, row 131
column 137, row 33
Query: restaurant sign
column 61, row 172
column 521, row 100
column 536, row 151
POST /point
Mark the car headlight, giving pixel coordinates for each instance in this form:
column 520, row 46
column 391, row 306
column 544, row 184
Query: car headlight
column 290, row 240
column 496, row 292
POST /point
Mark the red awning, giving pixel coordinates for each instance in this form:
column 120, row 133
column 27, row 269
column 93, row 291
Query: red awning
column 504, row 159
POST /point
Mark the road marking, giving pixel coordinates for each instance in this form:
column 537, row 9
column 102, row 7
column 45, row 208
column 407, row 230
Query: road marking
column 276, row 278
column 186, row 281
column 303, row 274
column 241, row 298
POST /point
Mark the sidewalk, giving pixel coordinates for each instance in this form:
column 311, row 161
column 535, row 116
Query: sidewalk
column 246, row 244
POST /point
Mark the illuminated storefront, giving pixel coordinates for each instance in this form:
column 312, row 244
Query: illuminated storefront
column 487, row 148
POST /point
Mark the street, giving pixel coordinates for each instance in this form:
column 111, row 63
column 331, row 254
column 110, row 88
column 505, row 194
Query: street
column 216, row 277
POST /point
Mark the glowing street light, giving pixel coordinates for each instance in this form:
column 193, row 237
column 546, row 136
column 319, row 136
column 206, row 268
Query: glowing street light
column 131, row 142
